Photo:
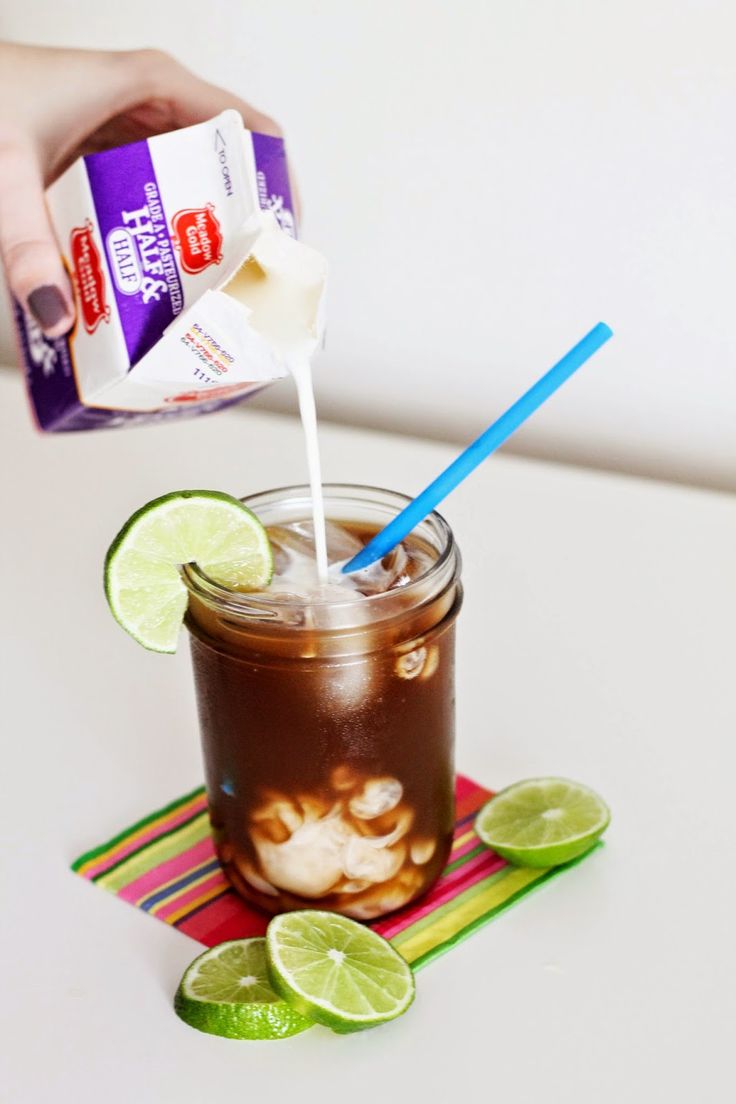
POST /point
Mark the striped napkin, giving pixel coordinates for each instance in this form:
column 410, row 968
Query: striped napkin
column 166, row 865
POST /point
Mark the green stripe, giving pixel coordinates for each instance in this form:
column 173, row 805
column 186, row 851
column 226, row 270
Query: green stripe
column 149, row 843
column 449, row 907
column 464, row 858
column 166, row 809
column 479, row 921
column 469, row 929
column 158, row 851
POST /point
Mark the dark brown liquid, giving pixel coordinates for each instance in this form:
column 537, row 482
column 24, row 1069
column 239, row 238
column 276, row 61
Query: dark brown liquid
column 330, row 776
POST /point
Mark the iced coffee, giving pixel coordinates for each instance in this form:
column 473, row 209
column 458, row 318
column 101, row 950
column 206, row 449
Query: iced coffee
column 327, row 710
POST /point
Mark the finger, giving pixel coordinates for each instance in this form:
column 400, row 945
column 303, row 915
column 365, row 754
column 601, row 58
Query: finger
column 94, row 89
column 191, row 99
column 28, row 247
column 188, row 100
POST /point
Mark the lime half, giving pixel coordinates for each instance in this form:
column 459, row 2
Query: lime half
column 543, row 821
column 143, row 583
column 336, row 972
column 226, row 992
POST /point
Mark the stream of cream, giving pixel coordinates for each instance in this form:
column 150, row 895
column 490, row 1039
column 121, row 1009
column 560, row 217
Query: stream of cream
column 281, row 284
column 301, row 370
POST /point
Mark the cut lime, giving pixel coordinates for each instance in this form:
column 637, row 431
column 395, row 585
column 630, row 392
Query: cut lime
column 543, row 821
column 143, row 582
column 226, row 992
column 336, row 972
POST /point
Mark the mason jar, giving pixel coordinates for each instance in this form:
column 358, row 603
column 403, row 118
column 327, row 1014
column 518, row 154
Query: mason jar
column 328, row 724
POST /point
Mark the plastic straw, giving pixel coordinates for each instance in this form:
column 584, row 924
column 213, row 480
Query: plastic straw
column 479, row 450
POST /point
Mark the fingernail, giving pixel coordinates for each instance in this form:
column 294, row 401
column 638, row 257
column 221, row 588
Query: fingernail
column 48, row 306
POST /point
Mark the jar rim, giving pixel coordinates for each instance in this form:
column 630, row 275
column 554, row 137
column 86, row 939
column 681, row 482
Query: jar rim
column 260, row 607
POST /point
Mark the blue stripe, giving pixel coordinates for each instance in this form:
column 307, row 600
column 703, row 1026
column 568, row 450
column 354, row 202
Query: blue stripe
column 161, row 894
column 206, row 904
column 468, row 817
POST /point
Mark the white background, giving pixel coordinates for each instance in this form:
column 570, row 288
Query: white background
column 489, row 179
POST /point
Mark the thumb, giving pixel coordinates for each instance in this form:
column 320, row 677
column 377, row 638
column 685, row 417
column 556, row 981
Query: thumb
column 29, row 251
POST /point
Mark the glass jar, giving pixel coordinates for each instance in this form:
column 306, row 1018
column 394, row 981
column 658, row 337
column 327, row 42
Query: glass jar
column 328, row 726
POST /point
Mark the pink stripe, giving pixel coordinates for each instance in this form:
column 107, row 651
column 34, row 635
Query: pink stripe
column 225, row 917
column 464, row 787
column 458, row 852
column 478, row 868
column 216, row 879
column 173, row 868
column 152, row 833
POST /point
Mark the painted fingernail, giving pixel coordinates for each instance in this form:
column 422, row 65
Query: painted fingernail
column 48, row 306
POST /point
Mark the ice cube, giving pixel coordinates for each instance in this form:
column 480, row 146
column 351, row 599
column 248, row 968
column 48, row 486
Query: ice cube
column 342, row 545
column 344, row 778
column 338, row 605
column 422, row 851
column 296, row 538
column 378, row 796
column 411, row 664
column 346, row 686
column 384, row 898
column 384, row 574
column 251, row 875
column 354, row 886
column 295, row 570
column 362, row 859
column 309, row 863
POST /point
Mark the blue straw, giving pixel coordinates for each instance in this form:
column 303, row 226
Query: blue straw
column 481, row 448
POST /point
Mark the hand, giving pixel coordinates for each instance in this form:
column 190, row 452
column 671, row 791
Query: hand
column 58, row 104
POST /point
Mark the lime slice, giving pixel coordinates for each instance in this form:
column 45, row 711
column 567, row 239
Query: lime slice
column 143, row 582
column 336, row 972
column 226, row 992
column 543, row 821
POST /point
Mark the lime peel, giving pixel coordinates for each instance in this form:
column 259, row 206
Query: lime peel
column 143, row 582
column 226, row 992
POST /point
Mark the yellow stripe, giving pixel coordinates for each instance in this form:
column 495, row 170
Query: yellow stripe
column 172, row 881
column 167, row 846
column 191, row 905
column 122, row 844
column 459, row 918
column 462, row 839
column 185, row 889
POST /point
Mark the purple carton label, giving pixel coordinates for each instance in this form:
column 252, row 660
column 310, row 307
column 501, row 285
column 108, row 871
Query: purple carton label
column 138, row 246
column 272, row 177
column 49, row 373
column 53, row 389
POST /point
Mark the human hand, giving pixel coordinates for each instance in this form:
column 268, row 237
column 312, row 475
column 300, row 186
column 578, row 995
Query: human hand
column 56, row 105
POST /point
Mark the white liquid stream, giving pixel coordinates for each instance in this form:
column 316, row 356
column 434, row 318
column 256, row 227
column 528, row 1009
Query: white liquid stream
column 301, row 370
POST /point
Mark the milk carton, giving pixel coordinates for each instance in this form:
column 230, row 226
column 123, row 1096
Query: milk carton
column 151, row 233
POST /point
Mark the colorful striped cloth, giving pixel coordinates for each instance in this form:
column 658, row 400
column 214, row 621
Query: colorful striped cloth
column 166, row 865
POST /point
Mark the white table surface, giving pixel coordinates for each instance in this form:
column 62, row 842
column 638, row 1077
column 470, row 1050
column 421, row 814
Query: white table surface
column 597, row 641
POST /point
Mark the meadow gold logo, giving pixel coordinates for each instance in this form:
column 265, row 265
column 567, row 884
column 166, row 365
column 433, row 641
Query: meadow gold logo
column 196, row 234
column 88, row 277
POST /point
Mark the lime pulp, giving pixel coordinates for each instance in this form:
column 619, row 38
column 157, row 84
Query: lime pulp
column 337, row 972
column 143, row 582
column 543, row 822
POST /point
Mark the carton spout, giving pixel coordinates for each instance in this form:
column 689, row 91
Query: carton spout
column 282, row 285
